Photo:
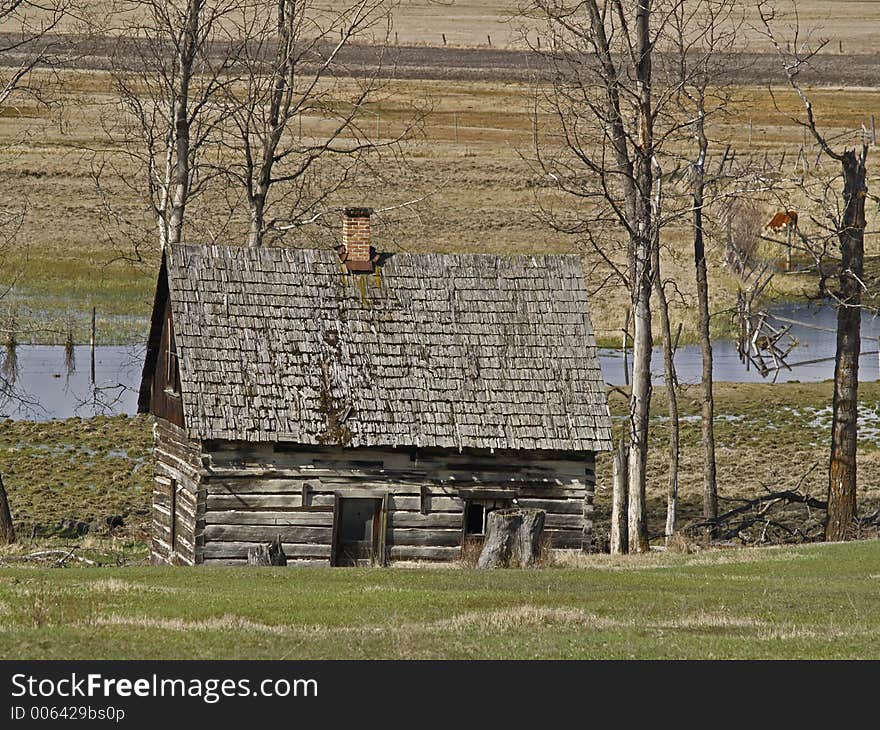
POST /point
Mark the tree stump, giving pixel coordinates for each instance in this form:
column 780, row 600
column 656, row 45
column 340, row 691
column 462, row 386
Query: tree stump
column 269, row 553
column 513, row 538
column 7, row 529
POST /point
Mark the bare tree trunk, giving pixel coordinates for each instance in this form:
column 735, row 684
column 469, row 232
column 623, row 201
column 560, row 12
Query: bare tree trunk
column 710, row 487
column 672, row 395
column 668, row 367
column 258, row 220
column 7, row 528
column 181, row 179
column 643, row 244
column 619, row 539
column 844, row 427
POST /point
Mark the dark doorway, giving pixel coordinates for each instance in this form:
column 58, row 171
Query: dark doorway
column 356, row 530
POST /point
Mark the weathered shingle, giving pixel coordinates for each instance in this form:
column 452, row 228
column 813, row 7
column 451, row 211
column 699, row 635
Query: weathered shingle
column 430, row 350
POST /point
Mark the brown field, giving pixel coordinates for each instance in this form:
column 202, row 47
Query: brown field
column 469, row 164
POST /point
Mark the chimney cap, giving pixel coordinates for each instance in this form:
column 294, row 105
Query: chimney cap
column 358, row 212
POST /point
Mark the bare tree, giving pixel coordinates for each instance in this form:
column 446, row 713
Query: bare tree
column 705, row 36
column 848, row 223
column 602, row 154
column 170, row 68
column 298, row 128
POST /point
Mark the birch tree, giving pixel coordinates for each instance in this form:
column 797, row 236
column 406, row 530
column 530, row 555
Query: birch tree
column 170, row 69
column 602, row 153
column 298, row 126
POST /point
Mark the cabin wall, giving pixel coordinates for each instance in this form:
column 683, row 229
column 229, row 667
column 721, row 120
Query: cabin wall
column 254, row 493
column 178, row 501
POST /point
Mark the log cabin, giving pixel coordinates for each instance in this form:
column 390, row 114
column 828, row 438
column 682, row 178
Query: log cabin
column 367, row 407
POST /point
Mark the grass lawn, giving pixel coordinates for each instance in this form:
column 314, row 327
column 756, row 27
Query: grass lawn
column 817, row 601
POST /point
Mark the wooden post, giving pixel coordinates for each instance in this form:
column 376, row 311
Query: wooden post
column 788, row 245
column 619, row 519
column 92, row 346
column 444, row 38
column 7, row 528
column 489, row 38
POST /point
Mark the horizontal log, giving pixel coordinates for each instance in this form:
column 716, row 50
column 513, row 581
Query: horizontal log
column 250, row 485
column 260, row 533
column 239, row 562
column 564, row 538
column 302, row 519
column 554, row 506
column 433, row 519
column 437, row 504
column 418, row 552
column 574, row 522
column 254, row 502
column 238, row 550
column 420, row 536
column 533, row 491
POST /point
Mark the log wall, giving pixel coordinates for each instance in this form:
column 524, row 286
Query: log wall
column 178, row 503
column 253, row 493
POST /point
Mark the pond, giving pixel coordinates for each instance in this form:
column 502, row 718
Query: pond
column 49, row 391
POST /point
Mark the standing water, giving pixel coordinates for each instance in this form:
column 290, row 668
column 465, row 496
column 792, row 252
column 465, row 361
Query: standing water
column 45, row 389
column 812, row 360
column 48, row 391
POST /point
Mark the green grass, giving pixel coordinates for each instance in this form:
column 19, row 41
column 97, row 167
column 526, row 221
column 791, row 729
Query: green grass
column 815, row 601
column 83, row 469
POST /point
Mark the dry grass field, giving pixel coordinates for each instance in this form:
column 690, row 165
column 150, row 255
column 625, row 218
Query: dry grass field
column 469, row 163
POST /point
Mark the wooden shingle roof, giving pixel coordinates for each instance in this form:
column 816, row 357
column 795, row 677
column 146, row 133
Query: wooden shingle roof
column 455, row 351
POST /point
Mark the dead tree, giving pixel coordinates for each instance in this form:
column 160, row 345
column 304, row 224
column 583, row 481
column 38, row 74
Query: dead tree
column 513, row 538
column 849, row 226
column 668, row 370
column 601, row 151
column 7, row 528
column 705, row 37
column 170, row 70
column 298, row 125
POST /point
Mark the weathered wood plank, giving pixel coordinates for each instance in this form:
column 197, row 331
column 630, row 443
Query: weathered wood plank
column 416, row 552
column 238, row 550
column 554, row 521
column 420, row 536
column 302, row 519
column 430, row 520
column 262, row 533
column 554, row 506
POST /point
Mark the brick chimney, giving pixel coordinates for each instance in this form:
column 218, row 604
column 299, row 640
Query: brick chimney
column 356, row 239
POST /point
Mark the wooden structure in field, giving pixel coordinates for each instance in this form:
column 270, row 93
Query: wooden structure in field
column 367, row 407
